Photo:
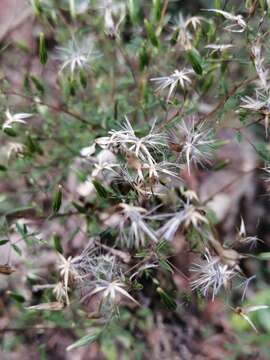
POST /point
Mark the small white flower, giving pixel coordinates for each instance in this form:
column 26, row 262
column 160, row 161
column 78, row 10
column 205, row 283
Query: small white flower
column 77, row 56
column 243, row 238
column 133, row 229
column 260, row 104
column 68, row 272
column 197, row 143
column 112, row 25
column 164, row 169
column 211, row 275
column 190, row 195
column 101, row 275
column 253, row 104
column 194, row 22
column 256, row 50
column 219, row 47
column 88, row 150
column 182, row 27
column 15, row 149
column 136, row 183
column 188, row 215
column 238, row 23
column 181, row 77
column 60, row 292
column 14, row 118
column 129, row 142
column 113, row 13
column 110, row 290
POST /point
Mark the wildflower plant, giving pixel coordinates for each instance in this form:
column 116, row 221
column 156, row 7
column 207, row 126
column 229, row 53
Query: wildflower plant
column 143, row 152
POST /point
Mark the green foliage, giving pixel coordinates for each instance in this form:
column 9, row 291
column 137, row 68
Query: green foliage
column 79, row 94
column 85, row 340
column 42, row 49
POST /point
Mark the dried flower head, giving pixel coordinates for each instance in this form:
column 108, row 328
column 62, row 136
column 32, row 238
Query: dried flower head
column 196, row 144
column 252, row 241
column 211, row 275
column 114, row 14
column 133, row 228
column 141, row 147
column 15, row 149
column 14, row 118
column 256, row 50
column 77, row 55
column 182, row 27
column 188, row 215
column 237, row 22
column 178, row 77
column 102, row 276
column 219, row 47
column 68, row 272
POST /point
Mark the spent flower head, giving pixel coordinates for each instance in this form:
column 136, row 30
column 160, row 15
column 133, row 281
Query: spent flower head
column 183, row 27
column 252, row 241
column 128, row 142
column 178, row 77
column 211, row 275
column 188, row 215
column 133, row 227
column 14, row 118
column 219, row 47
column 196, row 144
column 68, row 272
column 102, row 276
column 256, row 50
column 237, row 23
column 76, row 55
column 15, row 150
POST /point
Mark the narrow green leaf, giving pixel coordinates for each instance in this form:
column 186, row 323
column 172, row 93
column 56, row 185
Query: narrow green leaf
column 262, row 151
column 174, row 37
column 264, row 256
column 33, row 145
column 42, row 49
column 143, row 57
column 151, row 33
column 57, row 243
column 133, row 8
column 3, row 242
column 57, row 199
column 101, row 190
column 10, row 132
column 221, row 164
column 38, row 84
column 16, row 249
column 162, row 247
column 78, row 207
column 36, row 6
column 83, row 79
column 167, row 299
column 3, row 168
column 19, row 210
column 85, row 340
column 156, row 10
column 16, row 296
column 165, row 265
column 195, row 60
